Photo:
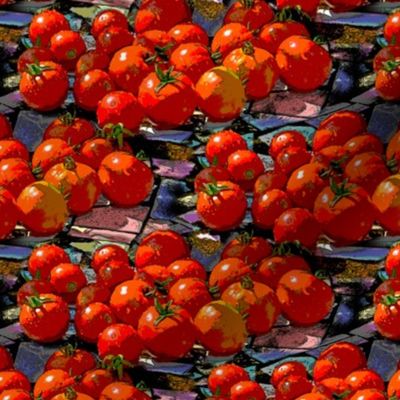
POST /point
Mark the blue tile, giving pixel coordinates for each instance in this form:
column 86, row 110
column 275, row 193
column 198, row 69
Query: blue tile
column 381, row 7
column 383, row 358
column 170, row 136
column 384, row 121
column 272, row 354
column 269, row 121
column 367, row 20
column 14, row 252
column 354, row 253
column 16, row 19
column 173, row 368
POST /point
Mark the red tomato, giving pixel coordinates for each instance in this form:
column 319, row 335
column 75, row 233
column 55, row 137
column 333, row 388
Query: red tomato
column 289, row 368
column 387, row 82
column 297, row 224
column 44, row 258
column 51, row 383
column 386, row 317
column 92, row 293
column 117, row 170
column 43, row 209
column 15, row 394
column 33, row 55
column 266, row 208
column 305, row 299
column 6, row 361
column 273, row 34
column 391, row 30
column 247, row 390
column 122, row 391
column 161, row 14
column 221, row 94
column 222, row 378
column 67, row 46
column 71, row 392
column 221, row 206
column 12, row 148
column 393, row 388
column 365, row 379
column 93, row 59
column 130, row 300
column 393, row 148
column 368, row 394
column 44, row 25
column 392, row 262
column 291, row 158
column 44, row 318
column 220, row 329
column 106, row 18
column 113, row 273
column 188, row 33
column 362, row 144
column 33, row 288
column 308, row 6
column 269, row 180
column 92, row 320
column 9, row 211
column 303, row 64
column 333, row 158
column 120, row 108
column 345, row 5
column 388, row 287
column 292, row 387
column 161, row 248
column 156, row 276
column 388, row 53
column 73, row 130
column 13, row 380
column 157, row 42
column 113, row 38
column 107, row 253
column 44, row 86
column 5, row 127
column 222, row 144
column 286, row 139
column 332, row 387
column 209, row 175
column 186, row 268
column 90, row 88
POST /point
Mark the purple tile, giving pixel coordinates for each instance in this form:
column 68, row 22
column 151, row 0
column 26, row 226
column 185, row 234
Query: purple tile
column 272, row 354
column 167, row 136
column 172, row 395
column 368, row 97
column 102, row 234
column 12, row 332
column 17, row 19
column 353, row 19
column 12, row 100
column 173, row 368
column 173, row 169
column 270, row 121
column 191, row 217
column 366, row 331
column 384, row 357
column 353, row 253
column 114, row 3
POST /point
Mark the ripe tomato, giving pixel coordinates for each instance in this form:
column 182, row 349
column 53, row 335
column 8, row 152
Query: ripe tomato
column 393, row 148
column 273, row 179
column 90, row 88
column 44, row 258
column 393, row 388
column 117, row 170
column 161, row 248
column 255, row 300
column 391, row 30
column 271, row 269
column 44, row 318
column 93, row 59
column 266, row 208
column 12, row 148
column 220, row 328
column 221, row 94
column 44, row 86
column 33, row 288
column 363, row 144
column 345, row 5
column 67, row 46
column 332, row 387
column 291, row 158
column 343, row 203
column 292, row 387
column 92, row 293
column 333, row 158
column 392, row 261
column 338, row 361
column 247, row 390
column 106, row 18
column 188, row 33
column 113, row 38
column 186, row 268
column 209, row 175
column 122, row 391
column 44, row 25
column 388, row 53
column 167, row 331
column 72, row 360
column 273, row 34
column 222, row 144
column 388, row 287
column 305, row 299
column 43, row 209
column 92, row 320
column 71, row 392
column 308, row 6
column 297, row 224
column 73, row 130
column 15, row 394
column 253, row 14
column 222, row 206
column 386, row 317
column 338, row 128
column 13, row 380
column 33, row 55
column 192, row 59
column 51, row 383
column 130, row 300
column 368, row 394
column 303, row 64
column 9, row 211
column 365, row 379
column 51, row 152
column 286, row 139
column 255, row 66
column 107, row 253
column 114, row 272
column 156, row 276
column 289, row 368
column 223, row 377
column 156, row 41
column 6, row 361
column 387, row 82
column 305, row 184
column 5, row 127
column 245, row 166
column 120, row 108
column 161, row 14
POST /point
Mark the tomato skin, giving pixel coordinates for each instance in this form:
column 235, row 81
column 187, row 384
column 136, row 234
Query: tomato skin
column 222, row 378
column 33, row 288
column 331, row 387
column 289, row 368
column 32, row 56
column 221, row 94
column 362, row 144
column 92, row 293
column 12, row 148
column 6, row 361
column 391, row 30
column 122, row 391
column 365, row 379
column 52, row 383
column 44, row 25
column 247, row 390
column 368, row 394
column 67, row 46
column 186, row 268
column 297, row 224
column 291, row 158
column 249, row 249
column 387, row 83
column 309, row 6
column 107, row 253
column 44, row 89
column 92, row 59
column 273, row 179
column 392, row 261
column 6, row 130
column 188, row 33
column 393, row 388
column 286, row 139
column 386, row 319
column 116, row 171
column 106, row 18
column 15, row 394
column 292, row 387
column 393, row 147
column 157, row 42
column 92, row 320
column 220, row 328
column 331, row 156
column 389, row 286
column 161, row 248
column 305, row 299
column 388, row 53
column 78, row 396
column 13, row 380
column 225, row 210
column 47, row 323
column 43, row 209
column 273, row 34
column 222, row 144
column 210, row 175
column 112, row 39
column 304, row 65
column 113, row 273
column 9, row 211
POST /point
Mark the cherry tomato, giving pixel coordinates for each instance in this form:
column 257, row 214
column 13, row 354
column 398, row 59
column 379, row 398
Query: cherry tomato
column 308, row 6
column 387, row 287
column 393, row 148
column 391, row 30
column 362, row 144
column 15, row 394
column 186, row 268
column 113, row 38
column 44, row 318
column 156, row 276
column 92, row 293
column 345, row 5
column 222, row 378
column 392, row 261
column 332, row 387
column 393, row 388
column 292, row 387
column 388, row 53
column 291, row 158
column 6, row 361
column 44, row 86
column 106, row 18
column 93, row 59
column 387, row 82
column 273, row 179
column 386, row 317
column 365, row 379
column 5, row 127
column 286, row 139
column 114, row 272
column 305, row 299
column 52, row 383
column 33, row 55
column 333, row 158
column 71, row 392
column 188, row 33
column 9, row 211
column 107, row 253
column 368, row 394
column 209, row 175
column 13, row 380
column 247, row 390
column 289, row 368
column 12, row 148
column 122, row 391
column 33, row 288
column 67, row 46
column 220, row 329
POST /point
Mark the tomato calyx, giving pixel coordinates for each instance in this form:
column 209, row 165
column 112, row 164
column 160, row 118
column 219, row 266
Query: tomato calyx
column 340, row 396
column 214, row 292
column 247, row 3
column 216, row 57
column 67, row 119
column 390, row 65
column 115, row 132
column 37, row 69
column 70, row 393
column 247, row 282
column 166, row 78
column 340, row 191
column 293, row 14
column 37, row 302
column 335, row 167
column 69, row 164
column 116, row 364
column 245, row 238
column 69, row 349
column 393, row 165
column 290, row 248
column 164, row 312
column 213, row 189
column 248, row 48
column 390, row 299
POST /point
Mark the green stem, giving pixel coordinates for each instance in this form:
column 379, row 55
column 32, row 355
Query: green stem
column 164, row 312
